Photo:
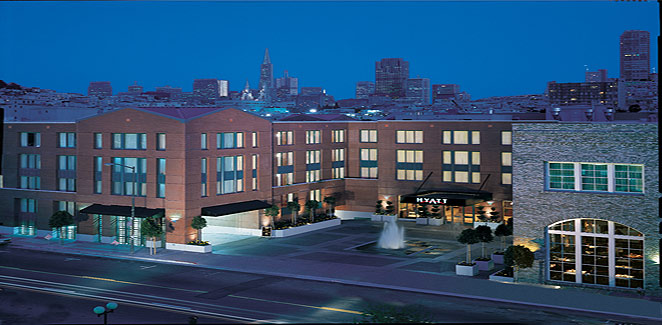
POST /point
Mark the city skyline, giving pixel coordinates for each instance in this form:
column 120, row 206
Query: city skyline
column 159, row 44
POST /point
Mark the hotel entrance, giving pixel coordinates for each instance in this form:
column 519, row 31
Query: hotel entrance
column 454, row 207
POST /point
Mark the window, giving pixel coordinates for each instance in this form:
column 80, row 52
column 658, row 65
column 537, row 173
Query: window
column 30, row 139
column 605, row 177
column 285, row 168
column 66, row 140
column 229, row 140
column 203, row 141
column 122, row 177
column 160, row 141
column 229, row 174
column 254, row 139
column 98, row 141
column 506, row 137
column 284, row 138
column 32, row 161
column 368, row 163
column 29, row 178
column 338, row 163
column 130, row 141
column 460, row 137
column 28, row 209
column 368, row 136
column 506, row 178
column 313, row 165
column 506, row 159
column 461, row 166
column 409, row 165
column 337, row 136
column 313, row 136
column 203, row 171
column 506, row 168
column 98, row 168
column 254, row 171
column 597, row 252
column 160, row 177
column 409, row 136
column 66, row 173
column 315, row 195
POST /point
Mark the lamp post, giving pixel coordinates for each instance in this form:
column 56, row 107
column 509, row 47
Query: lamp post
column 100, row 310
column 133, row 199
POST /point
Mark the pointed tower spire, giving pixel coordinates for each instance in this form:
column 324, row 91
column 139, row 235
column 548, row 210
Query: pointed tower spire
column 266, row 57
column 248, row 87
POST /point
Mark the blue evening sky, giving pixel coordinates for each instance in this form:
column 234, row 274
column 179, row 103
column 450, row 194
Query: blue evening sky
column 488, row 48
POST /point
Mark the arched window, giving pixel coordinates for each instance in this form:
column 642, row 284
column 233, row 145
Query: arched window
column 594, row 251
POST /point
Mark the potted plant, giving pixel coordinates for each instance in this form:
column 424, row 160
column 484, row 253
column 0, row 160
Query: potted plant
column 198, row 223
column 423, row 215
column 468, row 237
column 294, row 206
column 389, row 212
column 272, row 212
column 488, row 218
column 151, row 229
column 436, row 219
column 379, row 211
column 518, row 257
column 502, row 231
column 59, row 220
column 311, row 206
column 330, row 202
column 484, row 234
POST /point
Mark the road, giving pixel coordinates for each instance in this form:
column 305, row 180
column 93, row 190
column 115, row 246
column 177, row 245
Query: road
column 43, row 287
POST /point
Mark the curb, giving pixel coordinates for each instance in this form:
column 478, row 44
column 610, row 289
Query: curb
column 360, row 283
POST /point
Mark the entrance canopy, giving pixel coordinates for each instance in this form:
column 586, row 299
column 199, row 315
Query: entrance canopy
column 123, row 210
column 446, row 197
column 231, row 208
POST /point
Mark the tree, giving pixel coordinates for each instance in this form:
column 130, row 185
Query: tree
column 518, row 257
column 294, row 206
column 468, row 237
column 60, row 219
column 435, row 212
column 379, row 208
column 390, row 209
column 151, row 229
column 272, row 212
column 503, row 231
column 311, row 205
column 330, row 201
column 423, row 211
column 484, row 234
column 198, row 223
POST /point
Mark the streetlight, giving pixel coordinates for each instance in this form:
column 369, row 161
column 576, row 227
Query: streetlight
column 100, row 310
column 133, row 199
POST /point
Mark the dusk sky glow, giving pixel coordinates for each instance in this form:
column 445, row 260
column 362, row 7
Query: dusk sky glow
column 488, row 48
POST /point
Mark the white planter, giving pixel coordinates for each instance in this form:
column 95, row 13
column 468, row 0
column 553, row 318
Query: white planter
column 149, row 243
column 189, row 248
column 468, row 270
column 307, row 228
column 422, row 221
column 497, row 258
column 484, row 265
column 436, row 222
column 500, row 278
column 388, row 218
column 376, row 217
column 492, row 225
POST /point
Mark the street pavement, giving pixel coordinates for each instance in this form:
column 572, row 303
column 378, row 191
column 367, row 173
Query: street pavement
column 332, row 256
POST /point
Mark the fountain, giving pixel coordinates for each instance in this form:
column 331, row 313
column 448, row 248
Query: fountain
column 393, row 236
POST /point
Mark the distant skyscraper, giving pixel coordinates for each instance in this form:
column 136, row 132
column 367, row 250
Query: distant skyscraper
column 635, row 55
column 445, row 91
column 596, row 76
column 266, row 76
column 364, row 89
column 100, row 89
column 224, row 88
column 174, row 93
column 418, row 90
column 206, row 90
column 246, row 93
column 135, row 89
column 390, row 77
column 287, row 86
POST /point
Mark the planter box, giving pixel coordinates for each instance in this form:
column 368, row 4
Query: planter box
column 149, row 243
column 307, row 228
column 189, row 248
column 436, row 222
column 497, row 258
column 492, row 225
column 376, row 217
column 422, row 221
column 484, row 265
column 468, row 270
column 494, row 277
column 388, row 218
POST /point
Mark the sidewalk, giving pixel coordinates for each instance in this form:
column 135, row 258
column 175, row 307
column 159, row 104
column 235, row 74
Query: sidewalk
column 328, row 256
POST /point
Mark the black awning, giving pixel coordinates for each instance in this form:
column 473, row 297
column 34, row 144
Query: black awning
column 224, row 209
column 452, row 198
column 123, row 210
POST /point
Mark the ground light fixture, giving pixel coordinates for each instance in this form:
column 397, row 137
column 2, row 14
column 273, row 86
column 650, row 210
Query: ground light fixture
column 100, row 310
column 133, row 201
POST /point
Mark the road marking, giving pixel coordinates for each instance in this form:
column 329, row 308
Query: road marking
column 71, row 259
column 103, row 279
column 147, row 267
column 300, row 305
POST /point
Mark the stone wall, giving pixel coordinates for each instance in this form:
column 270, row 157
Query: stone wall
column 534, row 208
